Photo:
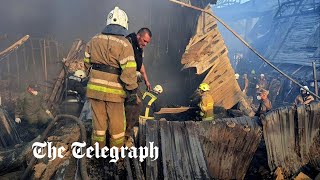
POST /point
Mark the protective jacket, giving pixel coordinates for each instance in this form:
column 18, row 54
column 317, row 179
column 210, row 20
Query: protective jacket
column 113, row 70
column 206, row 107
column 113, row 67
column 303, row 100
column 151, row 104
column 74, row 96
column 75, row 88
column 31, row 107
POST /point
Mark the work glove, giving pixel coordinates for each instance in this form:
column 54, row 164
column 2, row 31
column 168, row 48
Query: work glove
column 17, row 120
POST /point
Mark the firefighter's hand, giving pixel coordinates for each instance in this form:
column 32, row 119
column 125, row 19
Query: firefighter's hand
column 149, row 87
column 17, row 120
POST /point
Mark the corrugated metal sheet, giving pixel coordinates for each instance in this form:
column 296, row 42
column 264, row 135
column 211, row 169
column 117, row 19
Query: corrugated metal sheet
column 292, row 137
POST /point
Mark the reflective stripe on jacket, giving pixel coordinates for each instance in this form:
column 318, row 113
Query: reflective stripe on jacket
column 148, row 99
column 115, row 51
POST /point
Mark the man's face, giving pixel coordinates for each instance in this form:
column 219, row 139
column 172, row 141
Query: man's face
column 143, row 39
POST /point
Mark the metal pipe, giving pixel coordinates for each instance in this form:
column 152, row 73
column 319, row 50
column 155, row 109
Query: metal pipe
column 315, row 78
column 246, row 44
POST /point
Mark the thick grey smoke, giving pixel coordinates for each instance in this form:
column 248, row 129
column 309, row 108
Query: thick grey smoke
column 65, row 21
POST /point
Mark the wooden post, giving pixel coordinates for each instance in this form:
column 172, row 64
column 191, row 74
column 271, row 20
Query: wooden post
column 45, row 63
column 32, row 52
column 41, row 54
column 8, row 64
column 18, row 69
column 49, row 51
column 57, row 49
column 26, row 65
column 315, row 78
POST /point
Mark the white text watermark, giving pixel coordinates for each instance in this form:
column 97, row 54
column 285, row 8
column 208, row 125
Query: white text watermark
column 79, row 150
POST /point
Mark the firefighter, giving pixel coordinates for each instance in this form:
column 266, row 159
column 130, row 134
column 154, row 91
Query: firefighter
column 206, row 103
column 138, row 42
column 265, row 104
column 112, row 78
column 151, row 103
column 262, row 83
column 274, row 88
column 74, row 95
column 252, row 85
column 31, row 106
column 304, row 97
column 246, row 84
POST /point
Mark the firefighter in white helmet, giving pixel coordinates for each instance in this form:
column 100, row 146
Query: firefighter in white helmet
column 75, row 94
column 112, row 78
column 304, row 97
column 151, row 102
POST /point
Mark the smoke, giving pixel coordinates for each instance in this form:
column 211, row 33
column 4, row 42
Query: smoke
column 171, row 25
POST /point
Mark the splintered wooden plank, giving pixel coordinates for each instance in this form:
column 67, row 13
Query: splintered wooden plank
column 175, row 153
column 229, row 146
column 142, row 132
column 166, row 150
column 301, row 130
column 206, row 49
column 197, row 38
column 183, row 168
column 14, row 46
column 290, row 137
column 199, row 166
column 138, row 169
column 200, row 44
column 128, row 168
column 152, row 136
column 207, row 59
column 223, row 84
column 173, row 110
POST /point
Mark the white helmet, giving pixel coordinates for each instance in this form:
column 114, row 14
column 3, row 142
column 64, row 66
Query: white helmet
column 80, row 74
column 262, row 75
column 237, row 76
column 158, row 89
column 119, row 17
column 305, row 89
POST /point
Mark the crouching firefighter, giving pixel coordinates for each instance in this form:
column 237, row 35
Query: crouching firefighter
column 151, row 103
column 74, row 95
column 112, row 77
column 206, row 102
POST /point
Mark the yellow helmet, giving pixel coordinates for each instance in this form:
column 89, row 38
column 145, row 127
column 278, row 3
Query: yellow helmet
column 204, row 87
